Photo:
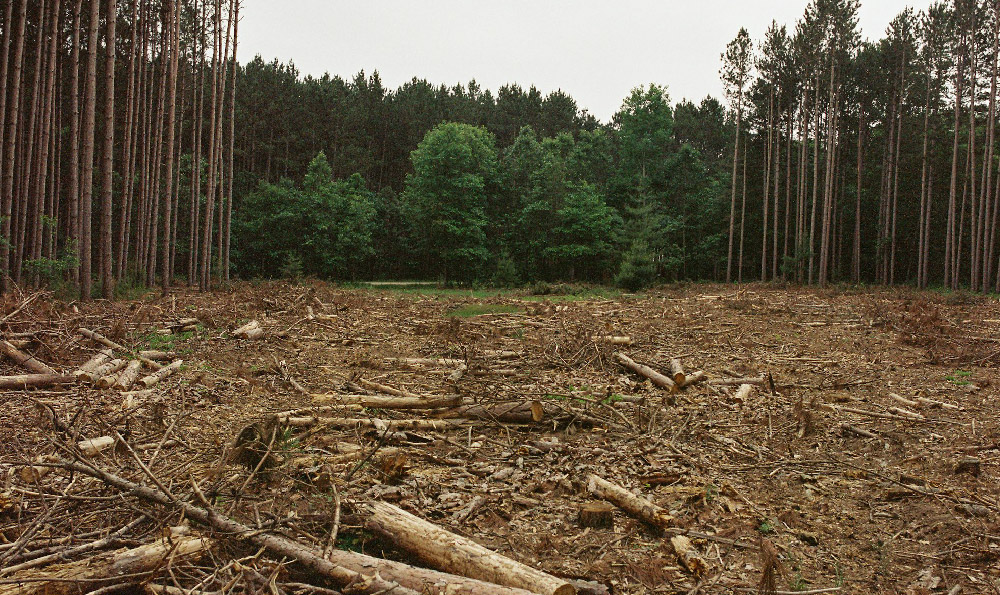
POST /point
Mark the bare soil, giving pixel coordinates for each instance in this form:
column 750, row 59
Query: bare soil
column 903, row 509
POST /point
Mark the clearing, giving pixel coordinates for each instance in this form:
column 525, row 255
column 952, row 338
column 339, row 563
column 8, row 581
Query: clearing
column 859, row 455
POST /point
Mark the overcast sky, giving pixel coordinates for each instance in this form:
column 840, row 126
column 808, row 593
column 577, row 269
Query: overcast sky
column 596, row 50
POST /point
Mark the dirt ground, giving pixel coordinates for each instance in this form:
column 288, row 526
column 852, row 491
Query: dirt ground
column 868, row 457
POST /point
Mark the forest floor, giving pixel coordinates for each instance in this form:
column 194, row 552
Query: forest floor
column 867, row 459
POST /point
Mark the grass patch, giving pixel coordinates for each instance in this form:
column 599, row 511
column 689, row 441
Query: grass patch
column 481, row 309
column 158, row 342
column 959, row 378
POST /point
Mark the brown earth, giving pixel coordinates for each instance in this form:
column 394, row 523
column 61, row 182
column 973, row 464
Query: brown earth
column 890, row 512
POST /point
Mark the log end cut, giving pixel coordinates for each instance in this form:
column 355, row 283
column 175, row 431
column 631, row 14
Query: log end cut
column 598, row 515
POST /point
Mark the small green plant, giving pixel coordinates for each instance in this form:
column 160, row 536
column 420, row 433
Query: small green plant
column 638, row 268
column 766, row 527
column 711, row 491
column 958, row 378
column 612, row 398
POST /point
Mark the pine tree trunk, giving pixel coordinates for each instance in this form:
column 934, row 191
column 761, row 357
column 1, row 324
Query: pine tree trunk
column 89, row 133
column 232, row 142
column 128, row 148
column 10, row 139
column 107, row 169
column 732, row 202
column 173, row 25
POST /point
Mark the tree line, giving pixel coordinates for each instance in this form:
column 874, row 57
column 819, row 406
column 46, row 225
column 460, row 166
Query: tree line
column 105, row 108
column 137, row 149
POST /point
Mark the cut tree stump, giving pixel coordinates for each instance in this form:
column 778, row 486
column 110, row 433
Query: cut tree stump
column 453, row 553
column 677, row 372
column 597, row 515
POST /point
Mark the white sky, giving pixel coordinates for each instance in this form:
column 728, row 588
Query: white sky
column 596, row 50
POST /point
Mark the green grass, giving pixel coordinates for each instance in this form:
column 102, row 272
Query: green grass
column 958, row 378
column 471, row 310
column 158, row 342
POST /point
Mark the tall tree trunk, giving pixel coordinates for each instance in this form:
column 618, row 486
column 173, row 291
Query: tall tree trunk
column 232, row 141
column 89, row 133
column 74, row 140
column 732, row 202
column 10, row 140
column 952, row 235
column 173, row 25
column 128, row 148
column 107, row 168
column 856, row 256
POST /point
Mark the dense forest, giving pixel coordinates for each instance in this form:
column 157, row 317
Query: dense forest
column 137, row 150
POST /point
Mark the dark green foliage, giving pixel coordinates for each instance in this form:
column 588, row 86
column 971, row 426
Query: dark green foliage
column 323, row 229
column 455, row 169
column 638, row 271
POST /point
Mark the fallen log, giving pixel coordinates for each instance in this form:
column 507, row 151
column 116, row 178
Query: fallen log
column 250, row 330
column 692, row 379
column 354, row 572
column 129, row 375
column 453, row 553
column 383, row 425
column 99, row 338
column 688, row 555
column 28, row 362
column 158, row 356
column 95, row 446
column 637, row 506
column 515, row 413
column 100, row 358
column 91, row 574
column 677, row 372
column 103, row 370
column 34, row 381
column 425, row 361
column 644, row 370
column 436, row 402
column 375, row 386
column 164, row 372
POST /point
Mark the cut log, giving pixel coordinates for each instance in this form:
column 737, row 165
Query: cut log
column 95, row 446
column 453, row 553
column 102, row 357
column 99, row 338
column 381, row 425
column 164, row 372
column 688, row 555
column 354, row 572
column 106, row 369
column 611, row 339
column 677, row 372
column 375, row 386
column 643, row 370
column 34, row 381
column 743, row 393
column 597, row 515
column 637, row 506
column 692, row 379
column 514, row 413
column 250, row 330
column 436, row 402
column 156, row 356
column 425, row 361
column 458, row 373
column 28, row 362
column 103, row 570
column 129, row 375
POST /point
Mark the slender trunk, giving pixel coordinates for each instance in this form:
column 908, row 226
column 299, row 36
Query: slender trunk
column 89, row 133
column 173, row 24
column 107, row 171
column 10, row 140
column 128, row 161
column 856, row 258
column 767, row 183
column 732, row 202
column 74, row 139
column 815, row 189
column 952, row 236
column 232, row 142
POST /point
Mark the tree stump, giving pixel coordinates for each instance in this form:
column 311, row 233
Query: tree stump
column 598, row 515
